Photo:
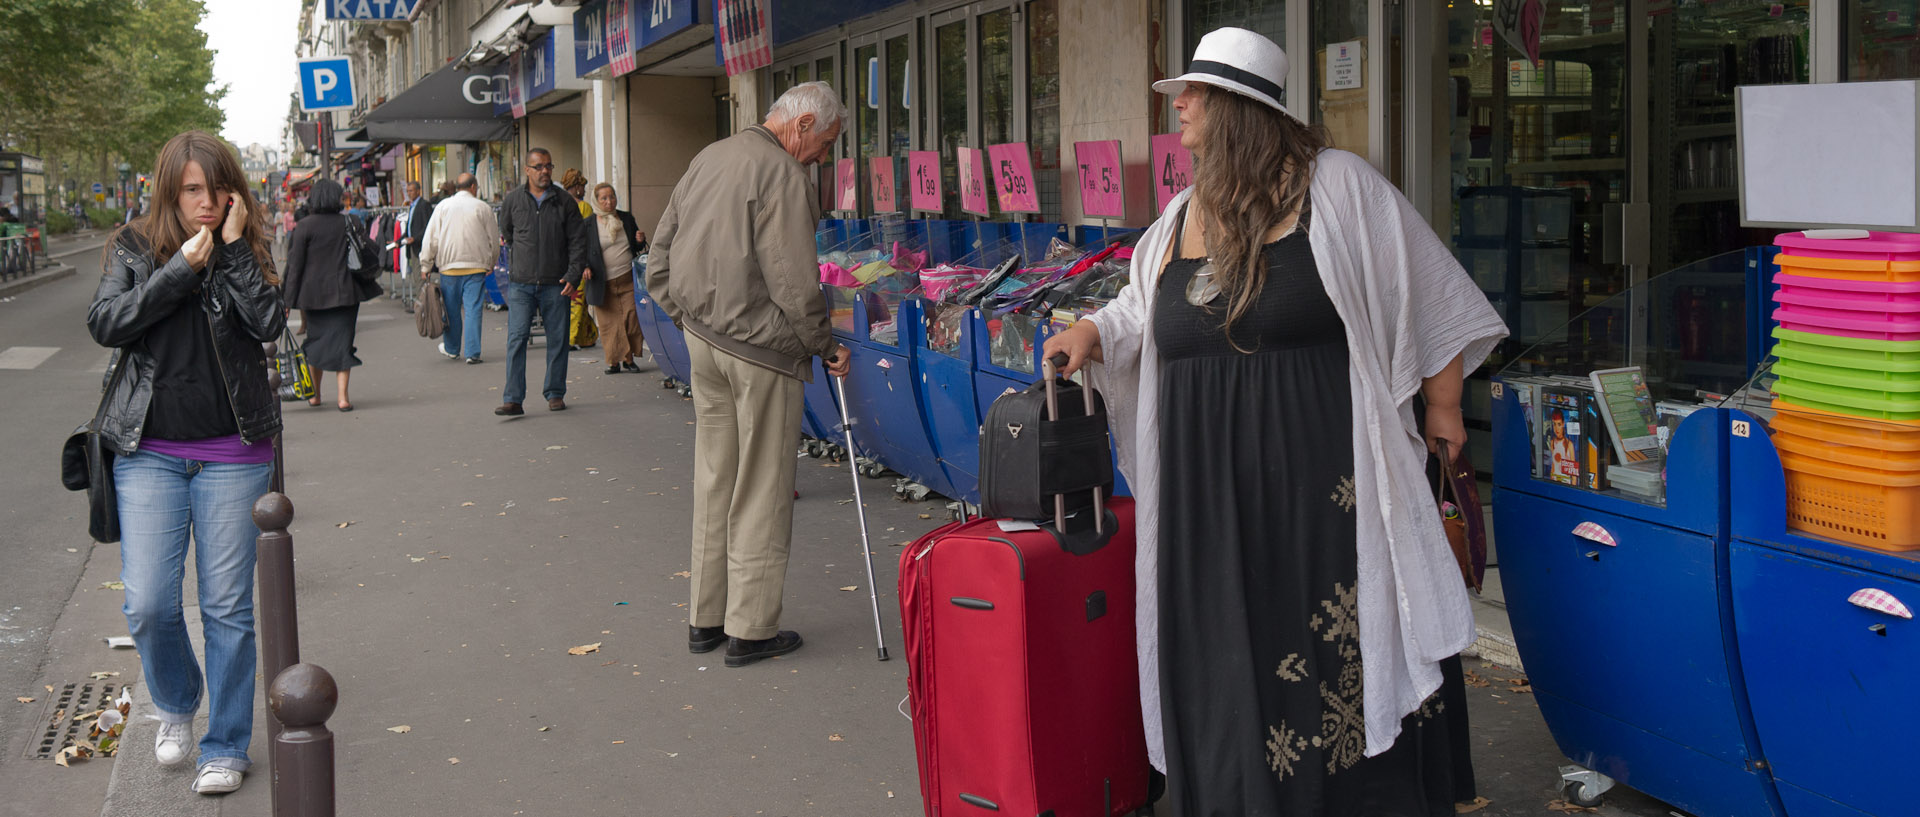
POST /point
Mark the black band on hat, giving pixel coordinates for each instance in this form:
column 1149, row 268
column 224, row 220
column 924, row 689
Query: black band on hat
column 1247, row 78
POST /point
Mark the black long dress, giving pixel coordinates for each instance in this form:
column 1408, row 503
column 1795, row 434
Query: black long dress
column 1260, row 673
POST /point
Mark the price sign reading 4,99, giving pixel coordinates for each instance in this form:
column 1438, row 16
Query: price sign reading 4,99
column 923, row 179
column 1012, row 174
column 1172, row 169
column 1100, row 191
column 973, row 183
column 846, row 185
column 881, row 176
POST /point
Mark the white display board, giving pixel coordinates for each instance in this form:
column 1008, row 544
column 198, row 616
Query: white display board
column 1830, row 155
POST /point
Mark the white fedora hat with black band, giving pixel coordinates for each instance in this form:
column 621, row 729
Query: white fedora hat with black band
column 1240, row 61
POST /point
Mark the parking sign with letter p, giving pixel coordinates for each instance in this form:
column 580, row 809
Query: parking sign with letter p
column 326, row 84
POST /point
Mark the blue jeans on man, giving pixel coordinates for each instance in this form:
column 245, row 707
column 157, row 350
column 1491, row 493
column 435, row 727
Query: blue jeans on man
column 463, row 295
column 555, row 312
column 163, row 500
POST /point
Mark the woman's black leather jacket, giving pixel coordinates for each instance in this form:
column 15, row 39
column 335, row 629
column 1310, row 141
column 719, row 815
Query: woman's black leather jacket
column 243, row 311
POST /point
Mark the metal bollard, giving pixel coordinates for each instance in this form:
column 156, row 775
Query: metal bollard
column 302, row 698
column 277, row 619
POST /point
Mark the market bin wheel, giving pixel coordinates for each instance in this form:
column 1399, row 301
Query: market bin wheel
column 1583, row 795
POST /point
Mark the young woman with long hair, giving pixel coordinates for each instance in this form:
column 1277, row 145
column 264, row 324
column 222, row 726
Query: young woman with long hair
column 187, row 299
column 1297, row 597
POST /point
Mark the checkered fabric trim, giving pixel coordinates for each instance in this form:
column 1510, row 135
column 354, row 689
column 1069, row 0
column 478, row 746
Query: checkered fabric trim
column 1592, row 532
column 1880, row 600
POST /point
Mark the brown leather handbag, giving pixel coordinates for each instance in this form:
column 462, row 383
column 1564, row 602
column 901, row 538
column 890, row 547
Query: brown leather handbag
column 1459, row 501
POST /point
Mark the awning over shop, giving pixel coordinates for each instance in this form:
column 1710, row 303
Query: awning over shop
column 298, row 178
column 452, row 104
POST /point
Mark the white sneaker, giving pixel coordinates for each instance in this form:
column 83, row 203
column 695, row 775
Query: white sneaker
column 172, row 745
column 443, row 350
column 216, row 780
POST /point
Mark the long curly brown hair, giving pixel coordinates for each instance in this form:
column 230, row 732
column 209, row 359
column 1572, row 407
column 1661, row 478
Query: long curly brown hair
column 161, row 228
column 1252, row 171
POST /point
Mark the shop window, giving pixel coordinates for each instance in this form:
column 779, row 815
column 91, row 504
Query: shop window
column 1881, row 38
column 950, row 59
column 996, row 82
column 896, row 89
column 1043, row 104
column 1267, row 18
column 866, row 114
column 1339, row 29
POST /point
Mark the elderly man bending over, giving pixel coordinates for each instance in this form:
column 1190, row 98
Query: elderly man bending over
column 733, row 263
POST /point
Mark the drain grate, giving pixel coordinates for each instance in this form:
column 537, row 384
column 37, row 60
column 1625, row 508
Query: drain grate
column 69, row 700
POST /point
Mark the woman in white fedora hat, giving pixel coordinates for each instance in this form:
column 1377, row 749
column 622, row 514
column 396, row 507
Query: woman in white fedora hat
column 1296, row 592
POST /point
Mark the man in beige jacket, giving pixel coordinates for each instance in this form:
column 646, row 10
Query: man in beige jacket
column 733, row 262
column 462, row 242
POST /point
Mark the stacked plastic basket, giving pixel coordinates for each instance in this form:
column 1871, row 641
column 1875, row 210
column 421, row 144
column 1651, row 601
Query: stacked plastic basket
column 1848, row 393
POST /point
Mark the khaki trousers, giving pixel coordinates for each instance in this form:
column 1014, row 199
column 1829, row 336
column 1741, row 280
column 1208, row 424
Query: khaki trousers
column 747, row 427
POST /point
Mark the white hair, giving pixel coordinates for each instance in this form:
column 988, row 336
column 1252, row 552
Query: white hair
column 817, row 98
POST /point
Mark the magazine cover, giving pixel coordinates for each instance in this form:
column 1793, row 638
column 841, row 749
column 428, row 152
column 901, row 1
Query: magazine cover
column 1596, row 446
column 1560, row 433
column 1629, row 415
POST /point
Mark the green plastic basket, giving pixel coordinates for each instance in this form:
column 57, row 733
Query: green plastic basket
column 1877, row 405
column 1895, row 384
column 1840, row 357
column 1890, row 347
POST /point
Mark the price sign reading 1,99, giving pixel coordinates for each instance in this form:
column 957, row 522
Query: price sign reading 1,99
column 923, row 171
column 1101, row 195
column 1013, row 178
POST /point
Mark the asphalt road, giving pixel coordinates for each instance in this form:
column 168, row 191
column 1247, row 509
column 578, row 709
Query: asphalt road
column 447, row 561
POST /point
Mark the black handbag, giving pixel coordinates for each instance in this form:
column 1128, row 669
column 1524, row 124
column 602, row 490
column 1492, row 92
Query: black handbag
column 1037, row 461
column 361, row 261
column 86, row 464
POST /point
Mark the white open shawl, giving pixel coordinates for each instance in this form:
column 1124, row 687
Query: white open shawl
column 1409, row 310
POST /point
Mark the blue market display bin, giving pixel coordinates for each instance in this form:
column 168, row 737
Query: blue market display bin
column 1835, row 687
column 1630, row 644
column 668, row 343
column 882, row 386
column 946, row 357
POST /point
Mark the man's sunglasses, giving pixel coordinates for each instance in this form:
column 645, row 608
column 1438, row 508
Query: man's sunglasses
column 547, row 166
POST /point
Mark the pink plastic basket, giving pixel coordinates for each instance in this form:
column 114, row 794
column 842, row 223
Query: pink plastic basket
column 1848, row 322
column 1876, row 246
column 1890, row 290
column 1868, row 304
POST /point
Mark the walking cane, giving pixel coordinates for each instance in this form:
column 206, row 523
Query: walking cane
column 859, row 505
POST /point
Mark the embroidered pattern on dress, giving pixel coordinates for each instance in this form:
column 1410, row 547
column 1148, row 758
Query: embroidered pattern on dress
column 1344, row 496
column 1343, row 730
column 1283, row 750
column 1432, row 707
column 1292, row 667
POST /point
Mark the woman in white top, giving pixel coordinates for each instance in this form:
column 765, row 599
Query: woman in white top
column 1296, row 594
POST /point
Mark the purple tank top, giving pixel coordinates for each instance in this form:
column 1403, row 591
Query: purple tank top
column 230, row 449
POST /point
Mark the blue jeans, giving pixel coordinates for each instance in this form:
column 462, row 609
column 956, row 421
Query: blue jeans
column 163, row 500
column 463, row 294
column 555, row 312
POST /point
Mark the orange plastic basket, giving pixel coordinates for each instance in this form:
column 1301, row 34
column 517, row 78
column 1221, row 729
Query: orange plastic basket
column 1844, row 429
column 1860, row 506
column 1850, row 269
column 1820, row 448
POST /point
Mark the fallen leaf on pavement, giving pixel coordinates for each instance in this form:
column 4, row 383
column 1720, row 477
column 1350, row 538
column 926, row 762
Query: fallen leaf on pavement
column 89, row 716
column 835, row 738
column 584, row 648
column 400, row 730
column 545, row 728
column 685, row 574
column 926, row 516
column 343, row 524
column 25, row 700
column 687, row 708
column 113, row 586
column 609, row 663
column 557, row 499
column 656, row 469
column 556, row 448
column 1521, row 685
column 454, row 761
column 1473, row 679
column 1469, row 808
column 851, row 587
column 420, row 558
column 466, row 504
column 101, row 676
column 49, row 687
column 1565, row 807
column 618, row 742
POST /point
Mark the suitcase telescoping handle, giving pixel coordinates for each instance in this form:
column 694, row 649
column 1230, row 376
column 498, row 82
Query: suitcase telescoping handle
column 1050, row 372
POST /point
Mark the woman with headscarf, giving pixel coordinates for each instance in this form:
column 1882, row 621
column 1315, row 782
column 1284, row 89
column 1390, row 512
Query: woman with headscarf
column 581, row 331
column 617, row 240
column 326, row 292
column 1297, row 598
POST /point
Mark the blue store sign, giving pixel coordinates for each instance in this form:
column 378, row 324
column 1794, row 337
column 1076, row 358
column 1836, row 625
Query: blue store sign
column 660, row 19
column 590, row 38
column 540, row 66
column 369, row 9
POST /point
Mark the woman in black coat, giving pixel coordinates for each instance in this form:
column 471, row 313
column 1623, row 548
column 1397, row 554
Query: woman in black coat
column 613, row 241
column 327, row 294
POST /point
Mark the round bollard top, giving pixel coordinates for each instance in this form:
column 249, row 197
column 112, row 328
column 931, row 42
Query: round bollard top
column 272, row 511
column 273, row 379
column 270, row 348
column 303, row 695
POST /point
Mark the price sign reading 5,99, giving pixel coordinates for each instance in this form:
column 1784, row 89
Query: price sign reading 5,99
column 923, row 179
column 1172, row 169
column 973, row 183
column 1013, row 178
column 1101, row 195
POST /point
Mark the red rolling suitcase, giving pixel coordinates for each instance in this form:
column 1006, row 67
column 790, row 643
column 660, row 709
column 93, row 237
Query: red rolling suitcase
column 1021, row 669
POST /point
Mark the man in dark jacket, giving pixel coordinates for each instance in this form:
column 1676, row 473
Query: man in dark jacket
column 546, row 251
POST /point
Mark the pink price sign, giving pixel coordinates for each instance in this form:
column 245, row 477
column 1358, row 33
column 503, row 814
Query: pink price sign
column 1172, row 169
column 923, row 180
column 1012, row 174
column 880, row 176
column 973, row 182
column 1101, row 195
column 846, row 185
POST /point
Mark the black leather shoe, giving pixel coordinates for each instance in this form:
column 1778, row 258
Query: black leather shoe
column 509, row 410
column 630, row 366
column 741, row 652
column 705, row 639
column 615, row 369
